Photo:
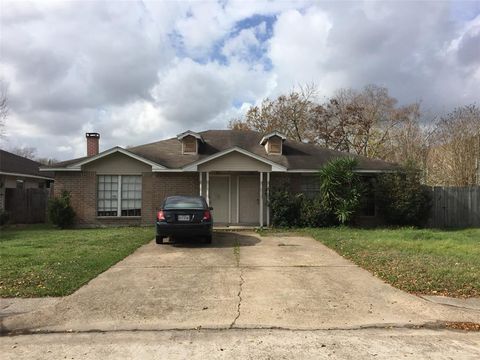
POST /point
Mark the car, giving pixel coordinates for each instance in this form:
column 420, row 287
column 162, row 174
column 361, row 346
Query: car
column 184, row 216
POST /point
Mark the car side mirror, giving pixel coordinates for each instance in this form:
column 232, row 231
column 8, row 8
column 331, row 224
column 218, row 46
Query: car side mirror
column 210, row 208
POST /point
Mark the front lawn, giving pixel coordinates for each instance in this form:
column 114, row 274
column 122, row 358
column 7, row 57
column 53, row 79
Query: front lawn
column 42, row 261
column 421, row 261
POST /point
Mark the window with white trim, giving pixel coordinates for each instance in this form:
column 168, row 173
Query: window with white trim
column 119, row 195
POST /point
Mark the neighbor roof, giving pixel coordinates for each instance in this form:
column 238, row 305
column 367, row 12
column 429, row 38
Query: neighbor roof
column 11, row 164
column 296, row 155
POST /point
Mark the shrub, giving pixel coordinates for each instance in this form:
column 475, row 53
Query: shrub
column 291, row 210
column 284, row 208
column 4, row 217
column 60, row 212
column 402, row 199
column 340, row 190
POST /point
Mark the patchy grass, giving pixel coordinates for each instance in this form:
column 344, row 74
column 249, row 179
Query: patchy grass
column 43, row 261
column 421, row 261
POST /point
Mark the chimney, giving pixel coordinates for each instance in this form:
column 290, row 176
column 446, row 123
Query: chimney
column 92, row 143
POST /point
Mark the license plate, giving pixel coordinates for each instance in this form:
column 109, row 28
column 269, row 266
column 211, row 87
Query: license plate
column 183, row 218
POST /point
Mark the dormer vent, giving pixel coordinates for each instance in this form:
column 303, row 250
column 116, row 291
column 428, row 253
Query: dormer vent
column 273, row 143
column 190, row 142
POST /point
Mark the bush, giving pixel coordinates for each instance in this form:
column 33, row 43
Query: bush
column 292, row 210
column 4, row 217
column 402, row 199
column 340, row 190
column 284, row 208
column 60, row 212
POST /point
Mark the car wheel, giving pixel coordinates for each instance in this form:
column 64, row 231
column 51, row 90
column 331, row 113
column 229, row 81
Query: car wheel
column 208, row 239
column 159, row 239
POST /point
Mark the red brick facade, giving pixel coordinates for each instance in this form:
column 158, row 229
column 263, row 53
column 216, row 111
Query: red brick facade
column 155, row 187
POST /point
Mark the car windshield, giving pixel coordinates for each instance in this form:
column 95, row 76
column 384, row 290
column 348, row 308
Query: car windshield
column 183, row 203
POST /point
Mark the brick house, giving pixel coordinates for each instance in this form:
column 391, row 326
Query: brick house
column 234, row 170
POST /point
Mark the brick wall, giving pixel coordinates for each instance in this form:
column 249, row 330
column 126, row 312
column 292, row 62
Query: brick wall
column 82, row 187
column 155, row 187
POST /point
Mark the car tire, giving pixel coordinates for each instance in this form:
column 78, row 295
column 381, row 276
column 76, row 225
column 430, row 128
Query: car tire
column 208, row 239
column 159, row 240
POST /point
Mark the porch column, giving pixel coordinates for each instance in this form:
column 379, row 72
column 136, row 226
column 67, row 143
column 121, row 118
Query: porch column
column 208, row 188
column 268, row 199
column 200, row 175
column 261, row 199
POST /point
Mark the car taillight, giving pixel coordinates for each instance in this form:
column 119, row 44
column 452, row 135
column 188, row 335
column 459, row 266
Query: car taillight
column 206, row 215
column 161, row 215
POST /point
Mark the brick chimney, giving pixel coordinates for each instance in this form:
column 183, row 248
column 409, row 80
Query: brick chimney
column 92, row 143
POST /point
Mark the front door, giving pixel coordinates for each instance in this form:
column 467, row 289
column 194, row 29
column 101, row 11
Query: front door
column 219, row 198
column 249, row 199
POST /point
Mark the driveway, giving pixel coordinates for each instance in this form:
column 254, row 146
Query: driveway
column 240, row 281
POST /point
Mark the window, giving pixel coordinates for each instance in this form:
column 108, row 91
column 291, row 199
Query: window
column 310, row 186
column 131, row 195
column 189, row 145
column 367, row 201
column 275, row 145
column 119, row 195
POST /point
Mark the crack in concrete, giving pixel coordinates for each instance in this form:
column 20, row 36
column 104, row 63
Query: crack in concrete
column 239, row 295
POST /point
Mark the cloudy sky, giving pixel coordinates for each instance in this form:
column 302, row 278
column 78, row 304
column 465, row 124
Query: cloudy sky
column 139, row 71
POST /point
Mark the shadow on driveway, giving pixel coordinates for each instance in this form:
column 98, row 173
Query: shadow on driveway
column 220, row 240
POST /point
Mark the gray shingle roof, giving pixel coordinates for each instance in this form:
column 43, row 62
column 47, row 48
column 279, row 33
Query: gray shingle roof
column 11, row 163
column 296, row 155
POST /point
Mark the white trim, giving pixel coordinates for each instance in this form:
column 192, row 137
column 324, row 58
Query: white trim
column 261, row 200
column 200, row 175
column 268, row 199
column 208, row 188
column 272, row 134
column 190, row 133
column 194, row 166
column 78, row 166
column 119, row 196
column 238, row 199
column 59, row 169
column 25, row 175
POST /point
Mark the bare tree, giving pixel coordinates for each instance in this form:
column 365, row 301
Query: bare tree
column 454, row 158
column 26, row 152
column 3, row 107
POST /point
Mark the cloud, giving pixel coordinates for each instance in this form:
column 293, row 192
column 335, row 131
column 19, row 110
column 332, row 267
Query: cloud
column 143, row 71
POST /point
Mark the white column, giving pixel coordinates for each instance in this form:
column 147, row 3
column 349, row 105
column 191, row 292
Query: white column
column 200, row 176
column 261, row 199
column 208, row 188
column 268, row 199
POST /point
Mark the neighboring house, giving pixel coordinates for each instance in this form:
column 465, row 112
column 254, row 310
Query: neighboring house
column 232, row 169
column 17, row 172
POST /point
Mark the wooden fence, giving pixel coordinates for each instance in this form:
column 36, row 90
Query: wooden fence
column 455, row 207
column 26, row 206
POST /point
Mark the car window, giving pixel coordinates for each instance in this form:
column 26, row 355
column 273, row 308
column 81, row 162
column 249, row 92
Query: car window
column 184, row 203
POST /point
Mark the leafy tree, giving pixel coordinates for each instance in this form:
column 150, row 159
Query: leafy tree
column 340, row 189
column 402, row 199
column 60, row 212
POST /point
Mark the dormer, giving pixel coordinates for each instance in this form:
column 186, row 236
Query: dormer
column 190, row 142
column 273, row 143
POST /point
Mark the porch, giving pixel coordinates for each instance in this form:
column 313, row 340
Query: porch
column 239, row 198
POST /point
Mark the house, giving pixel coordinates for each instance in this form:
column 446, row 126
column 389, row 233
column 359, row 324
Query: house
column 17, row 172
column 232, row 169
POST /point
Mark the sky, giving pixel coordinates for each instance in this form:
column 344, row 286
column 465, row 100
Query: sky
column 142, row 71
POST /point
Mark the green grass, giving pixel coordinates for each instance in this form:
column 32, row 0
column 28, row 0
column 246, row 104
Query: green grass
column 43, row 261
column 421, row 261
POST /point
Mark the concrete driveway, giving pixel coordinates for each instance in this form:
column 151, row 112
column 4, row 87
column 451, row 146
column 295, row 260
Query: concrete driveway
column 240, row 281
